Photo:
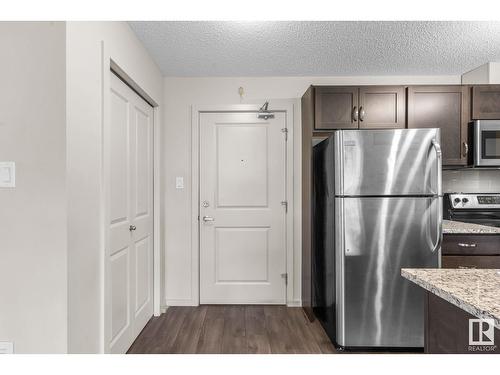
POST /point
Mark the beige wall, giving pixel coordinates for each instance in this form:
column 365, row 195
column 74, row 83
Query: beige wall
column 33, row 214
column 84, row 142
column 179, row 95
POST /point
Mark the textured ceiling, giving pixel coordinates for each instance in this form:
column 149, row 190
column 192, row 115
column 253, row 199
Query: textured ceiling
column 319, row 48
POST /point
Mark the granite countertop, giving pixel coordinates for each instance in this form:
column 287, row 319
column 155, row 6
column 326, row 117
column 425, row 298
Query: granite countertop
column 476, row 291
column 457, row 227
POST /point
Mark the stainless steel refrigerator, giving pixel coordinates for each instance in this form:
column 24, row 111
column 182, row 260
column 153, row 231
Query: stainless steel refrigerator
column 377, row 208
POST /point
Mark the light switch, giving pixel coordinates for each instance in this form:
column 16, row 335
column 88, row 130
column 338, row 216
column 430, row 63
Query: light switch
column 7, row 174
column 179, row 182
column 6, row 347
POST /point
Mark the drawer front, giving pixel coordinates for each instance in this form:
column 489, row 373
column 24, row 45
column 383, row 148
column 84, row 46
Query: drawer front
column 471, row 245
column 470, row 261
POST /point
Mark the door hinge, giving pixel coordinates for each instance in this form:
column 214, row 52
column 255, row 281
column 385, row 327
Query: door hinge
column 285, row 131
column 285, row 203
column 285, row 276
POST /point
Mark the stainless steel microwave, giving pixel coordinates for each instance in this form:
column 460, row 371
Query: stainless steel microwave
column 486, row 143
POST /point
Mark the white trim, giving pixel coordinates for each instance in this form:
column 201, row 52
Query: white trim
column 181, row 302
column 195, row 186
column 282, row 105
column 104, row 237
column 107, row 64
column 241, row 301
column 157, row 258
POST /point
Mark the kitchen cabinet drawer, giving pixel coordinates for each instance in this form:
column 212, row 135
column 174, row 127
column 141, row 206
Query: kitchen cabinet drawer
column 486, row 102
column 464, row 244
column 470, row 261
column 447, row 108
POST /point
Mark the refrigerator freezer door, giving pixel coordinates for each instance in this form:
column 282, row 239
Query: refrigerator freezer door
column 387, row 162
column 376, row 307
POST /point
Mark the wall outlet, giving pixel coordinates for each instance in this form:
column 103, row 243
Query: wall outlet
column 6, row 347
column 179, row 182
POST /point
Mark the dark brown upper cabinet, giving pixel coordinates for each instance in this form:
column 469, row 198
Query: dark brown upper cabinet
column 382, row 107
column 444, row 107
column 366, row 107
column 486, row 102
column 336, row 107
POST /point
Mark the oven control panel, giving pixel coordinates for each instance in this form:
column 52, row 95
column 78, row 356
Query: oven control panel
column 475, row 201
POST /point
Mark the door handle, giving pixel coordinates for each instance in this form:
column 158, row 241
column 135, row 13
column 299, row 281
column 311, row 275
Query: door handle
column 207, row 218
column 466, row 148
column 439, row 156
column 439, row 225
column 355, row 114
column 361, row 114
column 468, row 245
column 132, row 228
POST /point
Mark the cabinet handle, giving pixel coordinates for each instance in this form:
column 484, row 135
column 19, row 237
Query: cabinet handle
column 467, row 267
column 355, row 114
column 361, row 114
column 466, row 148
column 461, row 244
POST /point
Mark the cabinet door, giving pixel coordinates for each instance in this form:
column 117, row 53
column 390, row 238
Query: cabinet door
column 382, row 107
column 468, row 244
column 443, row 107
column 486, row 102
column 336, row 107
column 470, row 261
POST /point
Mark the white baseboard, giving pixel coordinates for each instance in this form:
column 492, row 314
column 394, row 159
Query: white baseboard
column 236, row 301
column 189, row 302
column 180, row 302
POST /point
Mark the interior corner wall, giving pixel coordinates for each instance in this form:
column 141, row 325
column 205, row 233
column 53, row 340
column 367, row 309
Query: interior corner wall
column 33, row 302
column 85, row 69
column 179, row 95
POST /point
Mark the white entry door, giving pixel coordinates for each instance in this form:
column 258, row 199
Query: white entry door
column 129, row 256
column 242, row 215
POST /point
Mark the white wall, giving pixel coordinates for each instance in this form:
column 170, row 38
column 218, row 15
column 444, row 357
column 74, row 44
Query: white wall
column 488, row 73
column 179, row 95
column 32, row 215
column 84, row 141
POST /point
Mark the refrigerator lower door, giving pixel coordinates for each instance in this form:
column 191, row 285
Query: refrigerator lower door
column 376, row 237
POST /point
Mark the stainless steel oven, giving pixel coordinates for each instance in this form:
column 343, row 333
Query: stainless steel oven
column 486, row 143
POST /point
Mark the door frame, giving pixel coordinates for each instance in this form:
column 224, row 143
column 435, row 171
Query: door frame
column 109, row 66
column 281, row 105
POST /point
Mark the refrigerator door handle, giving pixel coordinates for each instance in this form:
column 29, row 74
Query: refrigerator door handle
column 439, row 219
column 439, row 156
column 439, row 225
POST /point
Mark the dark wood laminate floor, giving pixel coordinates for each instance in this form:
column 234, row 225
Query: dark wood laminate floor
column 232, row 329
